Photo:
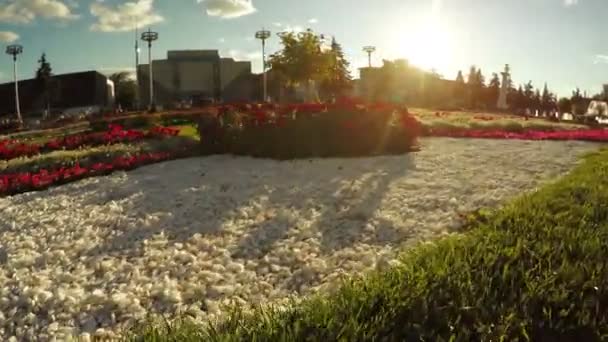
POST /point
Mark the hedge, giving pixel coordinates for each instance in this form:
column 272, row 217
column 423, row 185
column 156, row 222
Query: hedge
column 332, row 133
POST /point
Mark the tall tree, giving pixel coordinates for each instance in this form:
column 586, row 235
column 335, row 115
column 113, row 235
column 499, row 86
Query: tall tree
column 493, row 91
column 338, row 78
column 578, row 102
column 460, row 89
column 548, row 101
column 125, row 89
column 44, row 76
column 564, row 105
column 459, row 77
column 528, row 102
column 301, row 60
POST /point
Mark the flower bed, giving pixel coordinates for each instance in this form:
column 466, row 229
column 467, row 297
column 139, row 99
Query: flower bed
column 597, row 135
column 10, row 149
column 309, row 130
column 11, row 184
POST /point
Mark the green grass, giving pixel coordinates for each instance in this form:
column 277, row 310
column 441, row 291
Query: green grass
column 506, row 122
column 535, row 270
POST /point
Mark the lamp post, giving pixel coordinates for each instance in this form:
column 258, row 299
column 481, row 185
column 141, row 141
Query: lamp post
column 263, row 35
column 15, row 50
column 150, row 36
column 137, row 98
column 369, row 50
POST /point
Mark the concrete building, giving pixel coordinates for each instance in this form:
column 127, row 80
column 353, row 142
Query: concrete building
column 196, row 75
column 66, row 91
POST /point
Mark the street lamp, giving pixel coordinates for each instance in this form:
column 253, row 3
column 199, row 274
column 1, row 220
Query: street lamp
column 149, row 37
column 137, row 98
column 369, row 50
column 15, row 50
column 263, row 35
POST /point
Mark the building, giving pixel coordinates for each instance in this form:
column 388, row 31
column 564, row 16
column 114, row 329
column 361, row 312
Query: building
column 196, row 75
column 67, row 91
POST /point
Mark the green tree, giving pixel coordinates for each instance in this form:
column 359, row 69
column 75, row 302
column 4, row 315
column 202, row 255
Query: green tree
column 338, row 78
column 578, row 102
column 44, row 76
column 528, row 99
column 460, row 89
column 302, row 60
column 548, row 101
column 493, row 91
column 125, row 89
column 564, row 105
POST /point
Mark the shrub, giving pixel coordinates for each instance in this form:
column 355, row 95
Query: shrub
column 333, row 133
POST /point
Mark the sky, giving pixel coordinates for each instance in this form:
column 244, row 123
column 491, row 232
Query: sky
column 561, row 42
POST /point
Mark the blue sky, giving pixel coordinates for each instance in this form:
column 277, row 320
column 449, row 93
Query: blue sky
column 561, row 42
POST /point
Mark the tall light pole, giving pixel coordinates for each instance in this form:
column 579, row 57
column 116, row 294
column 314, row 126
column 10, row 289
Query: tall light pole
column 369, row 50
column 137, row 98
column 263, row 35
column 15, row 50
column 150, row 36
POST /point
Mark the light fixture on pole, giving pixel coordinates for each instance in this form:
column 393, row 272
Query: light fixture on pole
column 369, row 50
column 150, row 36
column 263, row 35
column 137, row 98
column 15, row 50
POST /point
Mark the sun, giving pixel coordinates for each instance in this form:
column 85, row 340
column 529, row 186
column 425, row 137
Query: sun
column 426, row 45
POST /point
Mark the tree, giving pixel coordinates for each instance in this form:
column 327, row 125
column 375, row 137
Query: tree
column 578, row 102
column 528, row 99
column 459, row 78
column 548, row 102
column 338, row 79
column 302, row 60
column 493, row 91
column 125, row 89
column 564, row 105
column 43, row 80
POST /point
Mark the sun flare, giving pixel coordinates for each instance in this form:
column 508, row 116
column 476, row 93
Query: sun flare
column 427, row 45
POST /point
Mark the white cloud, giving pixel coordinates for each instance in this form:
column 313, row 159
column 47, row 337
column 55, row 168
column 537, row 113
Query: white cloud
column 295, row 28
column 8, row 37
column 569, row 3
column 277, row 24
column 26, row 11
column 122, row 17
column 242, row 55
column 313, row 20
column 221, row 40
column 600, row 59
column 228, row 9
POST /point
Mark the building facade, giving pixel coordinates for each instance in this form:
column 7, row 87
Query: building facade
column 193, row 75
column 66, row 91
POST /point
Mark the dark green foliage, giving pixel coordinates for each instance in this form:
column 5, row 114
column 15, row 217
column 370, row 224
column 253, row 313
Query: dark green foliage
column 535, row 270
column 327, row 134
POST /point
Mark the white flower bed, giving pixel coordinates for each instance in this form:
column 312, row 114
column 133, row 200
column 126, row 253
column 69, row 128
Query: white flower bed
column 187, row 236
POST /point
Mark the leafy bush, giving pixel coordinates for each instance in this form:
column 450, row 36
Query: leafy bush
column 337, row 132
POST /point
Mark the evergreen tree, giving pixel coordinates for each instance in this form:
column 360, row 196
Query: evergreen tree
column 528, row 99
column 564, row 105
column 338, row 78
column 548, row 102
column 460, row 89
column 459, row 77
column 493, row 91
column 43, row 80
column 472, row 77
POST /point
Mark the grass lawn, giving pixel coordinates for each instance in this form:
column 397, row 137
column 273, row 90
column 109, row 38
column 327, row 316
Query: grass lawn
column 512, row 123
column 533, row 270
